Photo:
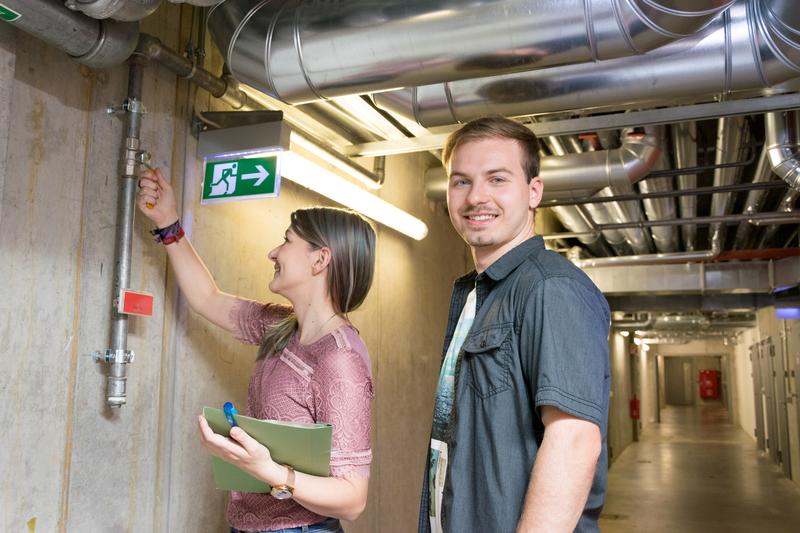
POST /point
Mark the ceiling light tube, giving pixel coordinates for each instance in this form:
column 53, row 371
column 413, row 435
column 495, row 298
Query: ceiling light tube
column 340, row 162
column 300, row 170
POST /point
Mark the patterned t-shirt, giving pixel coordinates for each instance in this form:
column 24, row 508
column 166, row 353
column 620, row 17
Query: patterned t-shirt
column 330, row 381
column 441, row 412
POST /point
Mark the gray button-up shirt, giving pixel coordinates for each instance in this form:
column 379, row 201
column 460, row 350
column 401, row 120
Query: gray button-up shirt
column 540, row 337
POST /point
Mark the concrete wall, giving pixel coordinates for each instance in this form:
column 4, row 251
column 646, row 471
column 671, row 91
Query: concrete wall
column 68, row 462
column 742, row 383
column 620, row 426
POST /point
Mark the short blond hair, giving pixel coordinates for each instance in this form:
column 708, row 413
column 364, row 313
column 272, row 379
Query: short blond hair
column 497, row 127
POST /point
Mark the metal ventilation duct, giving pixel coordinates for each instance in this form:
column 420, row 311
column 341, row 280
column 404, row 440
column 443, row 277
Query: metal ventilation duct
column 783, row 145
column 732, row 135
column 95, row 43
column 125, row 10
column 754, row 202
column 754, row 45
column 684, row 141
column 301, row 51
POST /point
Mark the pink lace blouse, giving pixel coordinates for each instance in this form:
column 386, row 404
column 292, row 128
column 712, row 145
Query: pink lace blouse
column 329, row 381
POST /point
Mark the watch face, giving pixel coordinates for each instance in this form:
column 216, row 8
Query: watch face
column 281, row 493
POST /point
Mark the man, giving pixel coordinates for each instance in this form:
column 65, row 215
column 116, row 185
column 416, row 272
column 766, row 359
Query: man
column 518, row 439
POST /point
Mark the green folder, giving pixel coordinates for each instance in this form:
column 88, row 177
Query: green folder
column 305, row 447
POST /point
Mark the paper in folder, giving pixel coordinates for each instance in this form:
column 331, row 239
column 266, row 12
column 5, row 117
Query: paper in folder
column 305, row 447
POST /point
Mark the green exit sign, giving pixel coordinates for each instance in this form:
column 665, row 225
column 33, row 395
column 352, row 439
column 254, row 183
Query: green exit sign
column 248, row 178
column 9, row 15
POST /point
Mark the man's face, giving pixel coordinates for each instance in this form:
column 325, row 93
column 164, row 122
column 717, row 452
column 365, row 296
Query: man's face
column 489, row 198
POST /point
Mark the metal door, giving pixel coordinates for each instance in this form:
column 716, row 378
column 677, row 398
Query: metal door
column 776, row 353
column 768, row 380
column 758, row 396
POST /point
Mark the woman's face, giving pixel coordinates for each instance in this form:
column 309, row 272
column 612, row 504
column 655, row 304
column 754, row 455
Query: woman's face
column 294, row 263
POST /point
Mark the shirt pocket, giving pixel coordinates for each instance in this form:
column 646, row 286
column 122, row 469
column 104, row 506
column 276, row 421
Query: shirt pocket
column 487, row 355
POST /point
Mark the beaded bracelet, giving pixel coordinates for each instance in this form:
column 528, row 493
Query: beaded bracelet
column 172, row 233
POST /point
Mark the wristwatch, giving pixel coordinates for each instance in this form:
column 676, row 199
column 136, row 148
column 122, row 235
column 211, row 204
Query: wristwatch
column 285, row 491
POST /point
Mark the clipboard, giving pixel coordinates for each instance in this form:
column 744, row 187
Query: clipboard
column 305, row 447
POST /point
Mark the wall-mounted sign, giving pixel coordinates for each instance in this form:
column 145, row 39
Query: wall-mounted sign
column 9, row 15
column 247, row 178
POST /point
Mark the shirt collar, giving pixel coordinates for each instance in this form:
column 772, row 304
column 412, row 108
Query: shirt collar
column 508, row 262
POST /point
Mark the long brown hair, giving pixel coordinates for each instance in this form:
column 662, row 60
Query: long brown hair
column 351, row 240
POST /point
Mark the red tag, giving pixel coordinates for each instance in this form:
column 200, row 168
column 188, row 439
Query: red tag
column 135, row 303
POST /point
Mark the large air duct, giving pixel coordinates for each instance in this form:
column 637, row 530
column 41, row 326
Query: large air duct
column 95, row 43
column 754, row 45
column 304, row 51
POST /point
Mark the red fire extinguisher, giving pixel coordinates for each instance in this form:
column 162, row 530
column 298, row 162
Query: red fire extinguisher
column 634, row 408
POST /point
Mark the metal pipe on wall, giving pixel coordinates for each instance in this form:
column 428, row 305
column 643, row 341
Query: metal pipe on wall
column 755, row 45
column 297, row 52
column 95, row 43
column 119, row 357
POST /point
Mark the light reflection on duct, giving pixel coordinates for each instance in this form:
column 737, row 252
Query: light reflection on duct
column 684, row 140
column 748, row 48
column 732, row 136
column 665, row 237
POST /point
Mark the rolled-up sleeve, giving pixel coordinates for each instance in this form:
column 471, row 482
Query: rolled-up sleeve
column 342, row 392
column 570, row 322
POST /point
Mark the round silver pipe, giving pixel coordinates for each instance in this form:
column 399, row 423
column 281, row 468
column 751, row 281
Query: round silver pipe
column 732, row 135
column 684, row 141
column 783, row 145
column 120, row 357
column 664, row 237
column 598, row 212
column 750, row 47
column 98, row 44
column 754, row 202
column 651, row 259
column 787, row 206
column 125, row 10
column 302, row 51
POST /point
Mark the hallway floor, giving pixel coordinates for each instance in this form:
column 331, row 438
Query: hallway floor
column 696, row 472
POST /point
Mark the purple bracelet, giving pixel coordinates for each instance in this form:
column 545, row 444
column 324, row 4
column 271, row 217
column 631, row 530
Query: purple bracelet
column 172, row 233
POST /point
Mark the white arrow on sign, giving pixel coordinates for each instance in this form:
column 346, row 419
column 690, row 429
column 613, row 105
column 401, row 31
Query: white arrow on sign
column 261, row 175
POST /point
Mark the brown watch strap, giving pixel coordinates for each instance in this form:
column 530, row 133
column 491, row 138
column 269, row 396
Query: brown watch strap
column 290, row 478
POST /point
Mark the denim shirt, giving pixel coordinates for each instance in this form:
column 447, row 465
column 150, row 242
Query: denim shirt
column 540, row 337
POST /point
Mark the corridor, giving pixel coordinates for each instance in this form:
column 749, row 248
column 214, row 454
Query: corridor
column 696, row 472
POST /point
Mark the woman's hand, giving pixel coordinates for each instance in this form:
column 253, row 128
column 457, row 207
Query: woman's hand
column 243, row 451
column 156, row 198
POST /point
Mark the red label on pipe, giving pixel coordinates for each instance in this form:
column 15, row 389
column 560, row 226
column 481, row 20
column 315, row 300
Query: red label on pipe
column 135, row 303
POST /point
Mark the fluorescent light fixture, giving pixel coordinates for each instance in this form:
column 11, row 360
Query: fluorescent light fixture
column 624, row 333
column 308, row 174
column 637, row 341
column 340, row 163
column 787, row 313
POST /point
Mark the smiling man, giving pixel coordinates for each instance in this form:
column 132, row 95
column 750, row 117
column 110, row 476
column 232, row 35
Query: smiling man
column 519, row 425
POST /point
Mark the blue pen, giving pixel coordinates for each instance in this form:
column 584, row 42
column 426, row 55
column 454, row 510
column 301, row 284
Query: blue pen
column 230, row 410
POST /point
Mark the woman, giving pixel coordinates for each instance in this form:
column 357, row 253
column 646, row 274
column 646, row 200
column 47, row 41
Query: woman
column 312, row 365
